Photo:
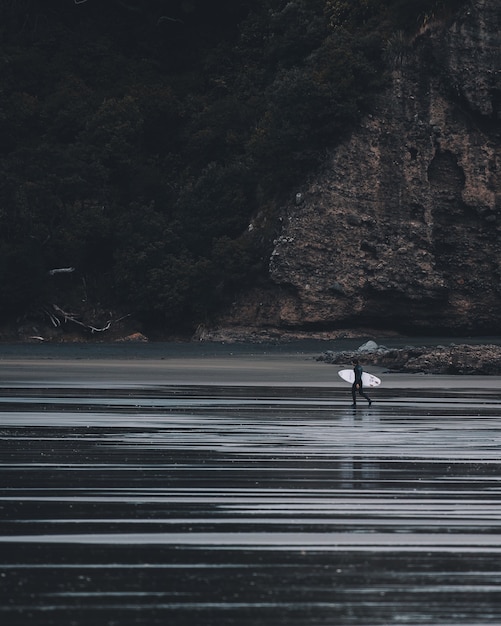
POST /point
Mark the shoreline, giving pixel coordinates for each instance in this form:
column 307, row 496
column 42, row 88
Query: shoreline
column 250, row 371
column 292, row 364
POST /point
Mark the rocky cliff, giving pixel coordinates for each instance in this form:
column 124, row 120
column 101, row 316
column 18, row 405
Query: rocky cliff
column 402, row 227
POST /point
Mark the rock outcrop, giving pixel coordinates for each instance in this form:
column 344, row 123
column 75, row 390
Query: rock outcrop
column 401, row 230
column 454, row 359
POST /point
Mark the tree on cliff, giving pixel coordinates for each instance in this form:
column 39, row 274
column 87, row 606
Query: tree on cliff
column 139, row 139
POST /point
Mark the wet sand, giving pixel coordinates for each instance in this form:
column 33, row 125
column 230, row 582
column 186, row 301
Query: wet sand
column 233, row 370
column 242, row 489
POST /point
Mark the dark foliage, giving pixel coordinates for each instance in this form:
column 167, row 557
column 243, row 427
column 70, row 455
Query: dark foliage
column 139, row 138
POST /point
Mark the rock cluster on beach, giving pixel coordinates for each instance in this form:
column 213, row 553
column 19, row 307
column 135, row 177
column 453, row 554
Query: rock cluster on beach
column 452, row 359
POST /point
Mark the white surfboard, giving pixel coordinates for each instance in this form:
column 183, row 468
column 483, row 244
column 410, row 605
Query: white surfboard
column 368, row 380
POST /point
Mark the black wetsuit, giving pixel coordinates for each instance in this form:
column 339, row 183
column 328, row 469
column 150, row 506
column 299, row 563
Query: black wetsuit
column 358, row 371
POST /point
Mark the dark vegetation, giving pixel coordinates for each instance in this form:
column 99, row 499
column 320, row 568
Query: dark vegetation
column 140, row 138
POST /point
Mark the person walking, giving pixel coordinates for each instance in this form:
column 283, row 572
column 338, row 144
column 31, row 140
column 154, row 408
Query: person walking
column 358, row 384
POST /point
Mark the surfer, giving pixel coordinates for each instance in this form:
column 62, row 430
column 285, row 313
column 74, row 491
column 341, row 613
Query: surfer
column 358, row 385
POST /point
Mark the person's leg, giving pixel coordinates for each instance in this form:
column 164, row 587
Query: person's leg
column 354, row 395
column 364, row 395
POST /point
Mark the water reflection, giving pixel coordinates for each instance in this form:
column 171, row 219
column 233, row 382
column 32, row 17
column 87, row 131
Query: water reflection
column 220, row 506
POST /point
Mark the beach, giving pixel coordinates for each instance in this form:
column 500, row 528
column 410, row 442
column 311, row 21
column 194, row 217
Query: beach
column 222, row 485
column 185, row 365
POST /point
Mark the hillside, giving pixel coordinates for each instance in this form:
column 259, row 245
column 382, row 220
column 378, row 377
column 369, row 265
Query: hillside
column 311, row 164
column 400, row 230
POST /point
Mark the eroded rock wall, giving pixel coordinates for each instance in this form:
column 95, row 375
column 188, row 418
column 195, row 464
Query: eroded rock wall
column 402, row 227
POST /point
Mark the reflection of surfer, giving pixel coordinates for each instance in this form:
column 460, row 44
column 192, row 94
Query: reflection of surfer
column 358, row 385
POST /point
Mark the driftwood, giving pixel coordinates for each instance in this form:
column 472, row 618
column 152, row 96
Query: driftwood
column 61, row 270
column 58, row 316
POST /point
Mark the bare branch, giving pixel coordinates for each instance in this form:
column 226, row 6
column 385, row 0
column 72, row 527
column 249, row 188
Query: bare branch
column 165, row 18
column 58, row 316
column 61, row 270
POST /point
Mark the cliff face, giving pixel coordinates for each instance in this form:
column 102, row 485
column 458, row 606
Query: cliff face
column 402, row 227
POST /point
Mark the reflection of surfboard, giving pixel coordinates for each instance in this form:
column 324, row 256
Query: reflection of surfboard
column 368, row 380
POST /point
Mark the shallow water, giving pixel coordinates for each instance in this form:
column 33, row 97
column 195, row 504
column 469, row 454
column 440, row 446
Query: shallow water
column 214, row 504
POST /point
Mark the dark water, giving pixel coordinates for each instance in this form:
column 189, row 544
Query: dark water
column 214, row 505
